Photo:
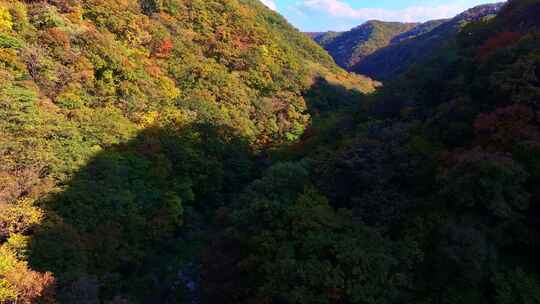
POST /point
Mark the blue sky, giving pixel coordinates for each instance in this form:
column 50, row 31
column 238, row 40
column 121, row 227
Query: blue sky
column 323, row 15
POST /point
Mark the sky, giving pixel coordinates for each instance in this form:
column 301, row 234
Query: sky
column 339, row 15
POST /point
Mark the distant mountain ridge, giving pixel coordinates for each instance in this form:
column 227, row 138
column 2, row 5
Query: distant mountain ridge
column 383, row 50
column 350, row 47
column 315, row 35
column 397, row 57
column 418, row 30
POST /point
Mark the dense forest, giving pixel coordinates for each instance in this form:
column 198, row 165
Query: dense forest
column 123, row 124
column 205, row 151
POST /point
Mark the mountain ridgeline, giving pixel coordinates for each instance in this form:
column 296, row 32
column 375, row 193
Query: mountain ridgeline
column 395, row 59
column 388, row 53
column 205, row 151
column 351, row 47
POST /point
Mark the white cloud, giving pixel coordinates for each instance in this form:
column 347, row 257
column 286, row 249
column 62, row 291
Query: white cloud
column 270, row 3
column 338, row 8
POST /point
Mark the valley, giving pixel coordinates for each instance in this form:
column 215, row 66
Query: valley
column 207, row 151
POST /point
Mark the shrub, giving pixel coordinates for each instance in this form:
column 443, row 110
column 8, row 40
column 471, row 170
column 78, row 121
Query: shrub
column 18, row 218
column 46, row 16
column 164, row 48
column 8, row 41
column 6, row 23
column 69, row 100
column 56, row 37
column 20, row 284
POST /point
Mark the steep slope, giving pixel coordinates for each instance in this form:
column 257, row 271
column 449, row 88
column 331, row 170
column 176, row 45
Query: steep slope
column 396, row 58
column 429, row 196
column 122, row 120
column 349, row 48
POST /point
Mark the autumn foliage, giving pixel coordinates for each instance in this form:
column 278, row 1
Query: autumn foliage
column 19, row 284
column 506, row 126
column 205, row 151
column 164, row 48
column 498, row 41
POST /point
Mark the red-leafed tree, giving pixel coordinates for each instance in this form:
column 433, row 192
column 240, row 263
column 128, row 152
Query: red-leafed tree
column 505, row 126
column 500, row 40
column 164, row 48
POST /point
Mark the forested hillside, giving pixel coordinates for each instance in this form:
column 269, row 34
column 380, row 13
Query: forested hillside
column 429, row 194
column 123, row 121
column 351, row 47
column 203, row 152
